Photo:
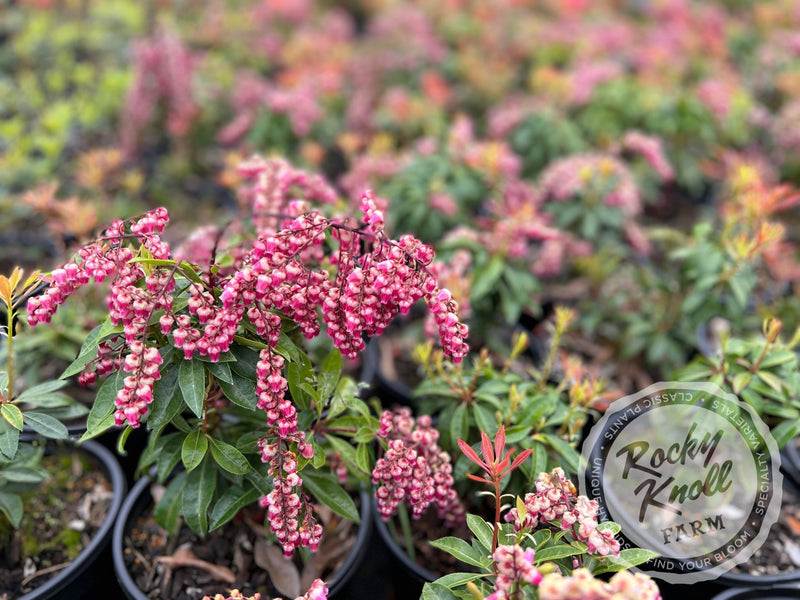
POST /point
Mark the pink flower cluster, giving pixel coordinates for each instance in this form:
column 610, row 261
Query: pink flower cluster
column 129, row 305
column 556, row 498
column 289, row 514
column 514, row 566
column 414, row 469
column 581, row 585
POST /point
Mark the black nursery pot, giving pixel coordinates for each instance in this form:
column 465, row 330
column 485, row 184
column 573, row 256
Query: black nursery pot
column 139, row 499
column 409, row 576
column 773, row 593
column 83, row 578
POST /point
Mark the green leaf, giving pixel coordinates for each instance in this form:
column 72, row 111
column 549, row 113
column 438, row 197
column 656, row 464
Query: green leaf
column 246, row 361
column 347, row 452
column 329, row 374
column 324, row 488
column 482, row 530
column 486, row 277
column 24, row 474
column 87, row 353
column 567, row 452
column 9, row 440
column 168, row 509
column 192, row 381
column 459, row 425
column 538, row 461
column 229, row 458
column 168, row 453
column 555, row 552
column 11, row 507
column 197, row 495
column 242, row 392
column 166, row 401
column 452, row 580
column 194, row 449
column 123, row 437
column 786, row 431
column 778, row 357
column 485, row 419
column 46, row 425
column 460, row 549
column 230, row 503
column 13, row 415
column 436, row 591
column 771, row 380
column 103, row 407
column 364, row 458
column 45, row 389
column 627, row 558
column 220, row 370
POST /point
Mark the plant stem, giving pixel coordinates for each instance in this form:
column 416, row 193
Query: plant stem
column 405, row 526
column 11, row 313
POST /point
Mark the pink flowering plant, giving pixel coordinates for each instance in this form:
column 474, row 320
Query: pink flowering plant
column 205, row 347
column 551, row 532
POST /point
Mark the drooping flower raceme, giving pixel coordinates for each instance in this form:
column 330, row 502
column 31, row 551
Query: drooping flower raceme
column 414, row 469
column 514, row 566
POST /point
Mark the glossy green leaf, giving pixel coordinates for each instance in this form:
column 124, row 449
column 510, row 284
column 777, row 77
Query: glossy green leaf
column 324, row 488
column 167, row 402
column 486, row 277
column 555, row 552
column 220, row 370
column 437, row 591
column 364, row 458
column 627, row 558
column 87, row 354
column 168, row 509
column 485, row 419
column 241, row 392
column 329, row 374
column 192, row 381
column 786, row 431
column 31, row 395
column 460, row 549
column 198, row 492
column 481, row 529
column 194, row 449
column 11, row 506
column 229, row 458
column 123, row 437
column 103, row 407
column 24, row 474
column 12, row 414
column 459, row 425
column 452, row 580
column 46, row 425
column 230, row 503
column 168, row 454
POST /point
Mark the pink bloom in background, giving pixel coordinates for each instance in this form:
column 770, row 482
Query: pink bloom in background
column 652, row 150
column 163, row 72
column 567, row 177
column 587, row 75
